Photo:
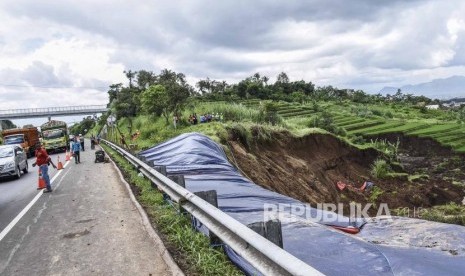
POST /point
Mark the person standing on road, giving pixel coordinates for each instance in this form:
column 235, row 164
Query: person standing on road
column 92, row 142
column 81, row 140
column 76, row 148
column 42, row 160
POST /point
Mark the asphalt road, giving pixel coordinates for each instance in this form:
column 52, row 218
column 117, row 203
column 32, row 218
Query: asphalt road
column 15, row 194
column 88, row 225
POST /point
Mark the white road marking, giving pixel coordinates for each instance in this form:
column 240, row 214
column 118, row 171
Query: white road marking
column 24, row 211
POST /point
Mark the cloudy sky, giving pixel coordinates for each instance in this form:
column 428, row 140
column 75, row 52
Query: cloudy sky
column 58, row 53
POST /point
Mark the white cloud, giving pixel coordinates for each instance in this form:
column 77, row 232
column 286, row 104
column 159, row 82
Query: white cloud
column 367, row 44
column 41, row 54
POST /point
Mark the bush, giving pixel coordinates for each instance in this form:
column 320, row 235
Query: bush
column 269, row 113
column 376, row 192
column 449, row 213
column 377, row 112
column 261, row 134
column 362, row 111
column 388, row 148
column 239, row 132
column 380, row 169
column 356, row 139
column 325, row 121
column 316, row 106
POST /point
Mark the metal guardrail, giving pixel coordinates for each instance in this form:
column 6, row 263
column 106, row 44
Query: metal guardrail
column 51, row 111
column 264, row 255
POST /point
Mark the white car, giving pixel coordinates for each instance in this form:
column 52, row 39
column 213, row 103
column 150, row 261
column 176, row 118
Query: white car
column 13, row 161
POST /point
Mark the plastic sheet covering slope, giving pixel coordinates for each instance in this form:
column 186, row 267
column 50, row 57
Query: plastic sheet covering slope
column 375, row 251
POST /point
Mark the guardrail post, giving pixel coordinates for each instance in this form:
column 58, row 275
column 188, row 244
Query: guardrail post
column 212, row 198
column 271, row 230
column 209, row 196
column 162, row 170
column 143, row 158
column 179, row 179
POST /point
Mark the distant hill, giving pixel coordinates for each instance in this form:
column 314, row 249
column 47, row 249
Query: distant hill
column 457, row 100
column 453, row 87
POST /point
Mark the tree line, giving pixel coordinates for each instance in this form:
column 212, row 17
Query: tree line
column 167, row 93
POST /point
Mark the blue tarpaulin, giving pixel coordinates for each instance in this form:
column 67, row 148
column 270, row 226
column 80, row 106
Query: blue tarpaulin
column 382, row 247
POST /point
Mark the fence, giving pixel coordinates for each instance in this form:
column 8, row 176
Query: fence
column 51, row 111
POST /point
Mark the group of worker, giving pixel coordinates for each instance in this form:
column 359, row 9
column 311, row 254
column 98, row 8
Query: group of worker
column 43, row 160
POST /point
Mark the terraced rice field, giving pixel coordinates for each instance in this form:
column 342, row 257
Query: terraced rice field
column 289, row 110
column 434, row 129
column 297, row 113
column 376, row 128
column 447, row 134
column 348, row 121
column 364, row 125
column 451, row 134
column 406, row 128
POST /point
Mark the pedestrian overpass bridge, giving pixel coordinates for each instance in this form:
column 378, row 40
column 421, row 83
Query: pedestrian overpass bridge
column 11, row 114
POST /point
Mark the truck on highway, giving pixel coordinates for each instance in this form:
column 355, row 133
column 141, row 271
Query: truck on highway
column 55, row 135
column 27, row 137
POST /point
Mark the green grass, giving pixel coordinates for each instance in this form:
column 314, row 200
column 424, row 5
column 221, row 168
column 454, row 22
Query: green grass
column 417, row 177
column 460, row 149
column 366, row 131
column 449, row 213
column 434, row 129
column 380, row 169
column 350, row 121
column 364, row 125
column 296, row 117
column 446, row 134
column 451, row 138
column 411, row 126
column 297, row 113
column 198, row 258
column 455, row 144
column 375, row 193
column 349, row 118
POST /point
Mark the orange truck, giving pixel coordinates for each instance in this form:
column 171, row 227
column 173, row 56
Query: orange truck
column 27, row 137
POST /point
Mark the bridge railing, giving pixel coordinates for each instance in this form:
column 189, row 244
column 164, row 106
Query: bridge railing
column 52, row 109
column 261, row 253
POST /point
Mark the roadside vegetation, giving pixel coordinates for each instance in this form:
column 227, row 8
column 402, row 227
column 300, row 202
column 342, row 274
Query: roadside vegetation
column 6, row 124
column 253, row 108
column 189, row 248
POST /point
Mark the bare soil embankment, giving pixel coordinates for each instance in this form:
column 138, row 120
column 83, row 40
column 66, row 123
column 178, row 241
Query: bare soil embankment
column 308, row 168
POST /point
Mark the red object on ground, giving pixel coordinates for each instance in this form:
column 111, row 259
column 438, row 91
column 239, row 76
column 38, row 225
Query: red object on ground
column 59, row 164
column 350, row 230
column 41, row 184
column 363, row 186
column 341, row 185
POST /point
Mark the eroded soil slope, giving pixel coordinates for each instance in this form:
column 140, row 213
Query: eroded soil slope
column 308, row 168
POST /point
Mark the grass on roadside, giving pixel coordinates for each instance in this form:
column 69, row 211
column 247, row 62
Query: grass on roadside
column 189, row 248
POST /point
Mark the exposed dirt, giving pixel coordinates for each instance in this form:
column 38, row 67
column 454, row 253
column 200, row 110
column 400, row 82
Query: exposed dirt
column 308, row 168
column 425, row 156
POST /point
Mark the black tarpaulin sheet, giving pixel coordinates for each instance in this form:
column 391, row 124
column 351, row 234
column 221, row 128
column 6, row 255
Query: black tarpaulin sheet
column 306, row 234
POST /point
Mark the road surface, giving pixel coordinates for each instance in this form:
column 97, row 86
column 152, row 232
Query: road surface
column 15, row 194
column 87, row 225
